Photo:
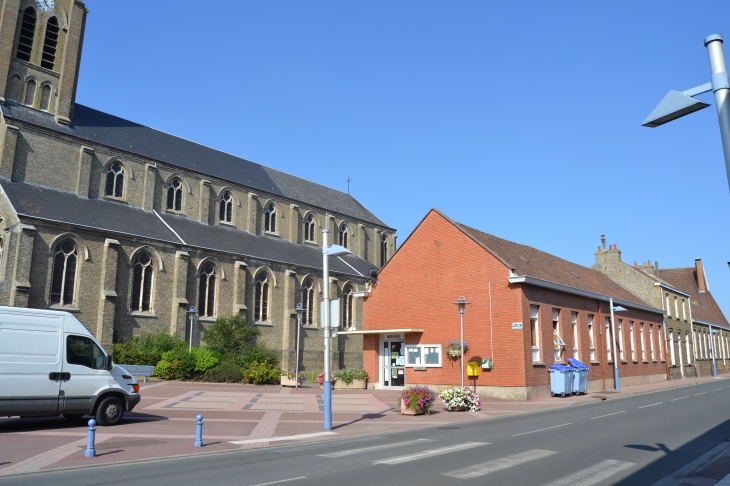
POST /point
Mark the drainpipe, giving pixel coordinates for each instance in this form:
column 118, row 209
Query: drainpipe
column 616, row 383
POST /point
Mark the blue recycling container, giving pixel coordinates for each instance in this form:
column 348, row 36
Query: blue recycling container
column 580, row 376
column 561, row 380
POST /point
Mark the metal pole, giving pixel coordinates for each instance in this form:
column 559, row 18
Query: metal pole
column 326, row 297
column 462, row 349
column 90, row 449
column 616, row 383
column 198, row 431
column 296, row 375
column 721, row 87
column 191, row 334
column 712, row 350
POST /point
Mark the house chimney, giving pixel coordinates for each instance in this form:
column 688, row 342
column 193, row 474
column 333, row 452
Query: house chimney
column 701, row 280
column 603, row 242
column 656, row 266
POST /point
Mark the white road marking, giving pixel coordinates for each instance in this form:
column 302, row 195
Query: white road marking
column 45, row 459
column 700, row 393
column 716, row 389
column 658, row 403
column 675, row 399
column 373, row 448
column 280, row 481
column 593, row 474
column 540, row 430
column 430, row 453
column 289, row 437
column 608, row 414
column 499, row 464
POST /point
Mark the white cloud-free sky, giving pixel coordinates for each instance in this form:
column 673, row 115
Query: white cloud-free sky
column 521, row 119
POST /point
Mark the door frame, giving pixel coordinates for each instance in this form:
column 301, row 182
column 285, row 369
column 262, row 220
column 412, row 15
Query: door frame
column 389, row 338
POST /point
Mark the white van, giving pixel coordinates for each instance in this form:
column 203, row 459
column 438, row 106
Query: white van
column 51, row 365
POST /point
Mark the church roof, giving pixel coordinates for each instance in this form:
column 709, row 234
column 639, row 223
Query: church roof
column 102, row 128
column 120, row 219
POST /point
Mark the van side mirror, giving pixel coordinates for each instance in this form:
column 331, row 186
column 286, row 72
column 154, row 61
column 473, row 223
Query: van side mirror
column 108, row 363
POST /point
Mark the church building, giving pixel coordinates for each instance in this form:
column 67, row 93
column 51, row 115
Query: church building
column 127, row 226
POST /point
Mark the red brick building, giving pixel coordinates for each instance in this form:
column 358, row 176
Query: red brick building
column 528, row 309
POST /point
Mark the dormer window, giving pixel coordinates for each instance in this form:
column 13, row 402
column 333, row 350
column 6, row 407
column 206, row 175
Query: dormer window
column 27, row 33
column 175, row 195
column 225, row 215
column 49, row 44
column 270, row 219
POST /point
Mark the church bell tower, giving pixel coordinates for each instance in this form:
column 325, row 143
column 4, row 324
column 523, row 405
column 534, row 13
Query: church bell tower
column 40, row 53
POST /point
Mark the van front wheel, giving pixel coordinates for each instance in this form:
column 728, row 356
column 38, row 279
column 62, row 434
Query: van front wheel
column 110, row 411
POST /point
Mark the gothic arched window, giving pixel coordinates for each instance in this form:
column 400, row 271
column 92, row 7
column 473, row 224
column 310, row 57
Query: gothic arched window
column 343, row 235
column 16, row 88
column 347, row 307
column 142, row 283
column 270, row 219
column 261, row 304
column 27, row 33
column 309, row 228
column 383, row 250
column 114, row 180
column 63, row 278
column 50, row 43
column 175, row 195
column 30, row 93
column 308, row 302
column 206, row 298
column 45, row 103
column 225, row 215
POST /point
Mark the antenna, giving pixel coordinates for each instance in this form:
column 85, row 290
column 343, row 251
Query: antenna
column 348, row 184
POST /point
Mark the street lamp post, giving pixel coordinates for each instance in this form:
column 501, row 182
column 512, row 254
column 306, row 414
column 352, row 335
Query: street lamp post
column 192, row 314
column 461, row 303
column 328, row 251
column 298, row 309
column 678, row 104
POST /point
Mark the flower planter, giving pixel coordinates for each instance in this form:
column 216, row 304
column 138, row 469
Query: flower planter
column 355, row 385
column 404, row 410
column 457, row 409
column 288, row 381
column 454, row 353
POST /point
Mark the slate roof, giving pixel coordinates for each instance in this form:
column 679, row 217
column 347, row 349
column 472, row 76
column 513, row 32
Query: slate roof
column 121, row 219
column 531, row 262
column 704, row 307
column 102, row 128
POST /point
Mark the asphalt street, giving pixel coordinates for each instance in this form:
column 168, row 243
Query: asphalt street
column 634, row 440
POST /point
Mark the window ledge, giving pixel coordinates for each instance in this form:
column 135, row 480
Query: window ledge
column 173, row 211
column 311, row 242
column 623, row 361
column 423, row 367
column 654, row 361
column 634, row 361
column 113, row 198
column 663, row 361
column 595, row 362
column 272, row 233
column 67, row 308
column 538, row 363
column 227, row 223
column 142, row 314
column 263, row 324
column 646, row 362
column 206, row 319
column 311, row 326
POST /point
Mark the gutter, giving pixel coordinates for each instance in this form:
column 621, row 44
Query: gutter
column 583, row 293
column 669, row 287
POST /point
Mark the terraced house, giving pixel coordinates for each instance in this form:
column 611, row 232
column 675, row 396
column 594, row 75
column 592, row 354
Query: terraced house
column 127, row 226
column 690, row 311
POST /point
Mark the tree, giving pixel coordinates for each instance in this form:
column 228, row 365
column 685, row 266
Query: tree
column 230, row 335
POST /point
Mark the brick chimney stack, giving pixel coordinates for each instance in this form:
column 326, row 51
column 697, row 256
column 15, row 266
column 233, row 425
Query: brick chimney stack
column 700, row 271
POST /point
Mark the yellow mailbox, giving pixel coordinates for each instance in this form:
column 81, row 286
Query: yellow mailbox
column 472, row 369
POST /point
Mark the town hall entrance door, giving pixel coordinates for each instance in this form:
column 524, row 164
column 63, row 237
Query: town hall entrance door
column 393, row 359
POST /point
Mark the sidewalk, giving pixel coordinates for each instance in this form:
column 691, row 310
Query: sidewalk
column 242, row 417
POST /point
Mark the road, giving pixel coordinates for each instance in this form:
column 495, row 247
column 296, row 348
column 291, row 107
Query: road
column 634, row 440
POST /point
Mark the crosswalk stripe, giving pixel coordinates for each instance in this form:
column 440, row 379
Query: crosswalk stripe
column 499, row 464
column 373, row 448
column 430, row 453
column 593, row 474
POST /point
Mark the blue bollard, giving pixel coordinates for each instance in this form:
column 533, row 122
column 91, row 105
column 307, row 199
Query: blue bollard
column 199, row 431
column 90, row 450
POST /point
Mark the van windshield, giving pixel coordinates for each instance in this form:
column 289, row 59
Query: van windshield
column 83, row 351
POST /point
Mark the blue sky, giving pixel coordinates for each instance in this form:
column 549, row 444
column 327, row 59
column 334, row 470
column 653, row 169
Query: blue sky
column 520, row 119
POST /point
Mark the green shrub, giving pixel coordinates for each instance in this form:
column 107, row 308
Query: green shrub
column 204, row 359
column 146, row 349
column 230, row 335
column 262, row 373
column 224, row 372
column 164, row 370
column 348, row 375
column 260, row 354
column 177, row 363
